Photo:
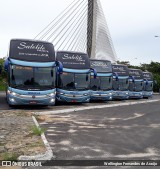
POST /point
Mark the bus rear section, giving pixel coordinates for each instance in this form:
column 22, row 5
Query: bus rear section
column 148, row 85
column 120, row 82
column 31, row 70
column 136, row 84
column 101, row 86
column 73, row 84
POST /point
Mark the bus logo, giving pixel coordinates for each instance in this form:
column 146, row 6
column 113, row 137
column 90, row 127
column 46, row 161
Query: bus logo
column 33, row 97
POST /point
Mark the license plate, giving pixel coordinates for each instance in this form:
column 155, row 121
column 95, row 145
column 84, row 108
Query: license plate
column 73, row 101
column 33, row 102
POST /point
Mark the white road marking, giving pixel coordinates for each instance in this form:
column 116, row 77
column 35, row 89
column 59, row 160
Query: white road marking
column 94, row 107
column 51, row 134
column 149, row 153
column 50, row 130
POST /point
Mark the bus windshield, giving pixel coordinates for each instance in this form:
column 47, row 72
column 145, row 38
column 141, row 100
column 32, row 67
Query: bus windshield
column 74, row 81
column 149, row 86
column 101, row 83
column 138, row 86
column 38, row 78
column 121, row 84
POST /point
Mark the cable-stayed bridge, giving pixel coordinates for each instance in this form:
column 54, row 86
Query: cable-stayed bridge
column 81, row 27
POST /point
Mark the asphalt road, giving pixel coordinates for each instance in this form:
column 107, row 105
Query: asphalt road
column 127, row 132
column 115, row 133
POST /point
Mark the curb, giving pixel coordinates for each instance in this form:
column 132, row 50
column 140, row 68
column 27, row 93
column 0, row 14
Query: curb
column 156, row 93
column 93, row 107
column 48, row 155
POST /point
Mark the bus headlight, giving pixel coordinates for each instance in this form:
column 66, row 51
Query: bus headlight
column 12, row 93
column 51, row 94
column 11, row 99
column 52, row 101
column 9, row 92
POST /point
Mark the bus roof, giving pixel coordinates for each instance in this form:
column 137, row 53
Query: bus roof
column 73, row 60
column 137, row 73
column 101, row 66
column 121, row 70
column 31, row 50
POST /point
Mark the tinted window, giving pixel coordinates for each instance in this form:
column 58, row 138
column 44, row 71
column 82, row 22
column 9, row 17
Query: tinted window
column 28, row 77
column 72, row 81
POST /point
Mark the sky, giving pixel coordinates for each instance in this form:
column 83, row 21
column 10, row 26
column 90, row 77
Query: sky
column 133, row 25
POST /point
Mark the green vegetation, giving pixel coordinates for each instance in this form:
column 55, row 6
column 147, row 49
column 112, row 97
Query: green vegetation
column 3, row 76
column 37, row 130
column 10, row 156
column 153, row 67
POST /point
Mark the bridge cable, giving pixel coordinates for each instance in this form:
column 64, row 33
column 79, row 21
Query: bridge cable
column 65, row 12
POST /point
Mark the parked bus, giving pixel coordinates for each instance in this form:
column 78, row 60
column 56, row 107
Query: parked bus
column 120, row 82
column 136, row 83
column 101, row 87
column 148, row 84
column 73, row 84
column 31, row 69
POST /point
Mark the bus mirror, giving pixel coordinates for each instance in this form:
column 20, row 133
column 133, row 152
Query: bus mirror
column 60, row 66
column 94, row 72
column 116, row 75
column 6, row 64
column 146, row 82
column 133, row 78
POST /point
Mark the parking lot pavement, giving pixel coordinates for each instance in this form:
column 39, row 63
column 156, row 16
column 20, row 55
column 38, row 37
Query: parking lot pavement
column 126, row 132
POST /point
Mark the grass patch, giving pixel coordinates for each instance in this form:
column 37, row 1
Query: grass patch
column 2, row 88
column 37, row 130
column 2, row 85
column 10, row 156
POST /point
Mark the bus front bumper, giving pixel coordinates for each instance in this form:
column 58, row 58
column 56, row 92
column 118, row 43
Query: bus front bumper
column 147, row 94
column 104, row 96
column 135, row 95
column 73, row 99
column 120, row 95
column 29, row 100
